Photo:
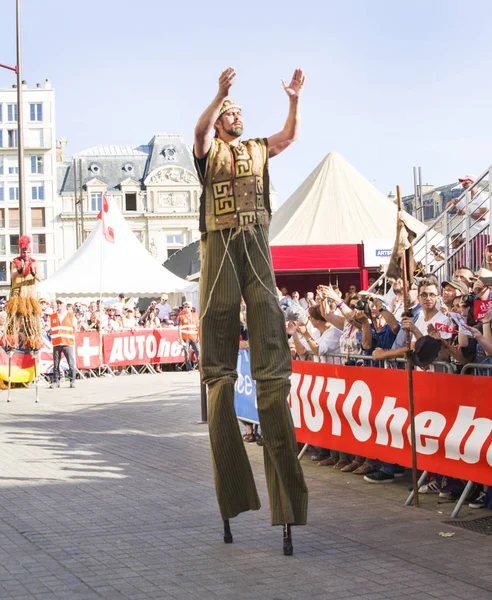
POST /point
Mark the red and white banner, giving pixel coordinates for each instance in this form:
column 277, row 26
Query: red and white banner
column 481, row 308
column 142, row 346
column 446, row 328
column 123, row 348
column 87, row 354
column 365, row 411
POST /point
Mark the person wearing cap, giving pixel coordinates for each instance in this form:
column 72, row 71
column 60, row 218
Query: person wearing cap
column 235, row 214
column 164, row 309
column 120, row 305
column 63, row 326
column 451, row 290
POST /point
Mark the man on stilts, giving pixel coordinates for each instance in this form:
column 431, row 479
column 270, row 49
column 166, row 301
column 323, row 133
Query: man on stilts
column 236, row 262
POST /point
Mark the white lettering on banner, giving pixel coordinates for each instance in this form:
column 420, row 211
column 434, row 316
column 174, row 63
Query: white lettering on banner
column 362, row 431
column 244, row 384
column 428, row 427
column 467, row 433
column 86, row 351
column 313, row 421
column 129, row 348
column 294, row 401
column 164, row 348
column 116, row 351
column 176, row 349
column 334, row 387
column 396, row 418
column 464, row 441
column 140, row 341
column 151, row 346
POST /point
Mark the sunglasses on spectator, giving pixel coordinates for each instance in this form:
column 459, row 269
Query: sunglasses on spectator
column 428, row 295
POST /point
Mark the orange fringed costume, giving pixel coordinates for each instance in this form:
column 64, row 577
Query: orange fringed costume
column 23, row 324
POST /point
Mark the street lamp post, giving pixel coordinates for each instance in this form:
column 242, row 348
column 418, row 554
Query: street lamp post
column 20, row 130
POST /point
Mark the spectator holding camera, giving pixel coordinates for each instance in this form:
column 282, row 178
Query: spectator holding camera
column 379, row 326
column 307, row 301
column 144, row 316
column 477, row 347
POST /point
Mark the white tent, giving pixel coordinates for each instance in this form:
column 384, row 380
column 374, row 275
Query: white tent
column 102, row 268
column 336, row 205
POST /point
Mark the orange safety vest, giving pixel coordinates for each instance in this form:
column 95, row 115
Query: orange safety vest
column 62, row 332
column 188, row 325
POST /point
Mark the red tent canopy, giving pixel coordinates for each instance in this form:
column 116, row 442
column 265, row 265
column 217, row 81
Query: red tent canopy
column 317, row 258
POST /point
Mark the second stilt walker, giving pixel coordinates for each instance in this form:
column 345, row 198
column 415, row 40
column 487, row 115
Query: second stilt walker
column 234, row 219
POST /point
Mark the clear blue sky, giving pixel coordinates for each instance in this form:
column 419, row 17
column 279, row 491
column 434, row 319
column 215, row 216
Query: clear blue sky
column 390, row 84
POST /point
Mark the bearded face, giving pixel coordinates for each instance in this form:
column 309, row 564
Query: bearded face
column 231, row 123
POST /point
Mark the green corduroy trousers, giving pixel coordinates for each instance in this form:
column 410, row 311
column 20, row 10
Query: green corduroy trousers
column 234, row 264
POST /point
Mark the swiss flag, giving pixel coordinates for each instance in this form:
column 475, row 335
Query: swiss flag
column 108, row 231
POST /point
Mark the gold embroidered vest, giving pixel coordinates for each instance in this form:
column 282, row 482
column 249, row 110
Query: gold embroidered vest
column 236, row 186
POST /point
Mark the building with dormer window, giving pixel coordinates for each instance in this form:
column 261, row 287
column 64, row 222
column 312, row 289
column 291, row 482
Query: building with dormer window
column 155, row 186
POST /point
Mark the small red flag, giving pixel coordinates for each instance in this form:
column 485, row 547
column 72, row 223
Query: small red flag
column 108, row 231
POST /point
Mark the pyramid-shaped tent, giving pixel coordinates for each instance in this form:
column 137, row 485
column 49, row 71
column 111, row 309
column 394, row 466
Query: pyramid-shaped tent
column 102, row 268
column 336, row 205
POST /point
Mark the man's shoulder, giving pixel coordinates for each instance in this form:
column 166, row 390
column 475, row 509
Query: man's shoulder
column 263, row 142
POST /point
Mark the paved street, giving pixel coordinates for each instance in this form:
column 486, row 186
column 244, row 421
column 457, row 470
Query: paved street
column 106, row 492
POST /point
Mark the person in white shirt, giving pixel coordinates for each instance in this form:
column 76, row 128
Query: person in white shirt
column 430, row 319
column 120, row 305
column 429, row 297
column 164, row 309
column 478, row 205
column 328, row 343
column 307, row 301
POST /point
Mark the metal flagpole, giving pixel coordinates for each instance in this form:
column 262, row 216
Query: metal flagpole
column 100, row 287
column 20, row 130
column 409, row 365
column 10, row 351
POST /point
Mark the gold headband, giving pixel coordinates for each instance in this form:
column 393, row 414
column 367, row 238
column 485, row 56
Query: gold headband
column 228, row 105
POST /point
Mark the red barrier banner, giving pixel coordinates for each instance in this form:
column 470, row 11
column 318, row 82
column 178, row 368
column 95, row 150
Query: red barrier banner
column 365, row 411
column 87, row 355
column 142, row 346
column 481, row 308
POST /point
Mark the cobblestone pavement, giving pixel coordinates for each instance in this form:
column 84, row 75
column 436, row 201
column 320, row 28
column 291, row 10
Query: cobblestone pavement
column 106, row 492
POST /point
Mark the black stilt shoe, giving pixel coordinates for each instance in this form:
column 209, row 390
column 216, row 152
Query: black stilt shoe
column 227, row 532
column 288, row 548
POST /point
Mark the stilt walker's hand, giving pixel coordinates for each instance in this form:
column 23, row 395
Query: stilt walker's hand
column 225, row 81
column 295, row 87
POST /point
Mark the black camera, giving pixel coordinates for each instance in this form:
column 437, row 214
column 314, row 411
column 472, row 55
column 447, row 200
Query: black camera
column 362, row 304
column 469, row 299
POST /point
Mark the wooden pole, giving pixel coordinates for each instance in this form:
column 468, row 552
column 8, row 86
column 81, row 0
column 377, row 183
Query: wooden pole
column 409, row 365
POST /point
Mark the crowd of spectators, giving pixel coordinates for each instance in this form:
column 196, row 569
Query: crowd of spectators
column 368, row 328
column 122, row 315
column 126, row 315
